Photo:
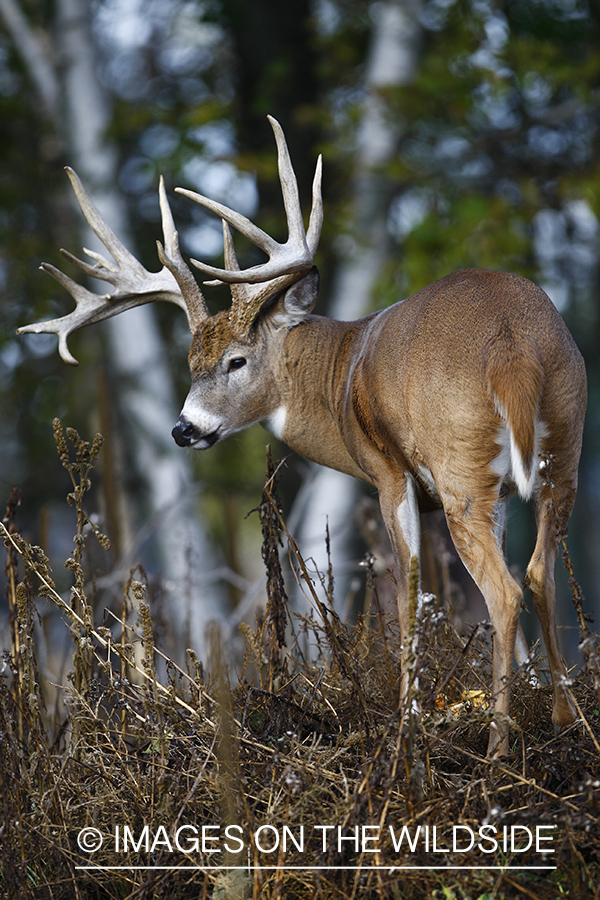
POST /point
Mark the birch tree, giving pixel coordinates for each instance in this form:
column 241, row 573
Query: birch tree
column 329, row 497
column 64, row 74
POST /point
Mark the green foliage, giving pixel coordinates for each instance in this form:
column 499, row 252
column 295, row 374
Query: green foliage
column 489, row 136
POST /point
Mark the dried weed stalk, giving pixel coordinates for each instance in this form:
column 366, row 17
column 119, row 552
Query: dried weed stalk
column 300, row 761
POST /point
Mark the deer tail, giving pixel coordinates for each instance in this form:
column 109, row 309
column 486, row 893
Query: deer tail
column 515, row 375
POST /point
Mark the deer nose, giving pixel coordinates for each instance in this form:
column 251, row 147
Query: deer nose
column 183, row 432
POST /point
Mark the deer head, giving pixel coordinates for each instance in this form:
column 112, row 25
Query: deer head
column 233, row 376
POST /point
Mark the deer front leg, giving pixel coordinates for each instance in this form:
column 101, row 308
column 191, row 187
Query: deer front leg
column 400, row 510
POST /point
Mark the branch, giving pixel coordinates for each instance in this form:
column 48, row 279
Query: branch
column 34, row 54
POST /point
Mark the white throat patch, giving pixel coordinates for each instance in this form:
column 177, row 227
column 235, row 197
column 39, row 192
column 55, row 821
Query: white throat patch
column 275, row 423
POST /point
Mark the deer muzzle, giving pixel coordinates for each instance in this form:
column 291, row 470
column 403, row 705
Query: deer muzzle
column 185, row 434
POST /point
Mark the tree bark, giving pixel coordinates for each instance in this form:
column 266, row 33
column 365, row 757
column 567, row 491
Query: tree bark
column 329, row 496
column 78, row 106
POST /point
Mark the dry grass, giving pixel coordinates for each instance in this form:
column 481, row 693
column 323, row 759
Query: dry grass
column 290, row 745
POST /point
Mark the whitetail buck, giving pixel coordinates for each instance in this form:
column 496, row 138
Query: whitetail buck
column 456, row 396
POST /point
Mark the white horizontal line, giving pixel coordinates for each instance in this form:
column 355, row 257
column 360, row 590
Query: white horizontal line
column 390, row 868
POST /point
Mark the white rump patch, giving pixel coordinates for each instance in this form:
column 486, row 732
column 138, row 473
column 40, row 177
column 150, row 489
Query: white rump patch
column 510, row 464
column 275, row 423
column 408, row 518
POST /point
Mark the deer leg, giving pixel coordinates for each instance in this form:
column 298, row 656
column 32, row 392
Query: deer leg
column 521, row 648
column 474, row 528
column 540, row 578
column 400, row 512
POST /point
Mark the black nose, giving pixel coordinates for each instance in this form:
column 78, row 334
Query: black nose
column 183, row 432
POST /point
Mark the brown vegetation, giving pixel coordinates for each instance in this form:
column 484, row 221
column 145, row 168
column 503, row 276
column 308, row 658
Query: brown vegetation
column 308, row 763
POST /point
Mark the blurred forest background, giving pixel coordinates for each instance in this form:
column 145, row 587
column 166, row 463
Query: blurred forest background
column 454, row 133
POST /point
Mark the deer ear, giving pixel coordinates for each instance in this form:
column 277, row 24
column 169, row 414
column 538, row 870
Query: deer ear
column 297, row 301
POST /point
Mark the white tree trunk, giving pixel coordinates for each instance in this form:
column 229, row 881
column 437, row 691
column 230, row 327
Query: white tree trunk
column 330, row 496
column 147, row 407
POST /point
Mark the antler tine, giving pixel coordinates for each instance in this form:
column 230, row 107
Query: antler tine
column 99, row 226
column 315, row 223
column 168, row 223
column 248, row 299
column 170, row 256
column 295, row 256
column 133, row 284
column 289, row 187
column 244, row 306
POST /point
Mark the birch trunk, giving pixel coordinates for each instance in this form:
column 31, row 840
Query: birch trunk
column 77, row 105
column 329, row 497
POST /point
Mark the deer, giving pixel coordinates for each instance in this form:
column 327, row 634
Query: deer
column 457, row 396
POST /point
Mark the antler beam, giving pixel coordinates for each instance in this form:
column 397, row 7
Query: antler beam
column 295, row 256
column 133, row 284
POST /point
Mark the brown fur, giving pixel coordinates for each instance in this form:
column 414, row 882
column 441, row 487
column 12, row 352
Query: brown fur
column 514, row 369
column 210, row 341
column 410, row 396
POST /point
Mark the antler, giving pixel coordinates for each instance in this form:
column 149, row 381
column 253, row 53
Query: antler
column 133, row 284
column 252, row 287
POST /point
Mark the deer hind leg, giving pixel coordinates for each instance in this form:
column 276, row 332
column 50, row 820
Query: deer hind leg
column 540, row 578
column 521, row 648
column 477, row 530
column 400, row 510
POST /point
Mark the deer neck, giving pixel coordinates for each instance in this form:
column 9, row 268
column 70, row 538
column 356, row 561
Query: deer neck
column 315, row 365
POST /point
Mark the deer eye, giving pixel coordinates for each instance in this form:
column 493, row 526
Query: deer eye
column 237, row 362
